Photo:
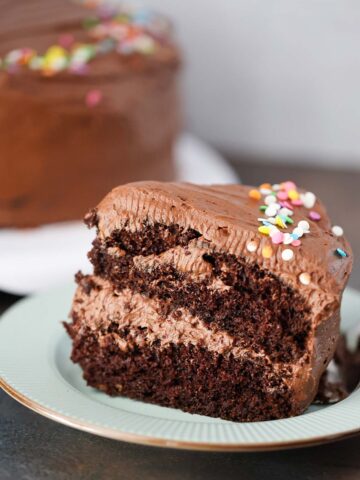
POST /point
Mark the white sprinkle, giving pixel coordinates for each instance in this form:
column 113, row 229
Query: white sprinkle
column 265, row 191
column 298, row 231
column 269, row 199
column 273, row 229
column 286, row 212
column 304, row 225
column 251, row 246
column 287, row 254
column 308, row 199
column 276, row 187
column 287, row 239
column 269, row 220
column 337, row 231
column 271, row 210
column 304, row 278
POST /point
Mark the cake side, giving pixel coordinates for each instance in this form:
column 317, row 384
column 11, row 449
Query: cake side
column 185, row 249
column 68, row 89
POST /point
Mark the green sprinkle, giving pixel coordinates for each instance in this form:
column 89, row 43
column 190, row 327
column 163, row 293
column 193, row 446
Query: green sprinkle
column 289, row 220
column 263, row 208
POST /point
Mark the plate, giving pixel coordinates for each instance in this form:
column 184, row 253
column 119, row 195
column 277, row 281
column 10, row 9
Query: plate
column 35, row 259
column 36, row 370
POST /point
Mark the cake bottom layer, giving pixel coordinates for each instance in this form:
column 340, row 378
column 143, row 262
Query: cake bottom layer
column 187, row 377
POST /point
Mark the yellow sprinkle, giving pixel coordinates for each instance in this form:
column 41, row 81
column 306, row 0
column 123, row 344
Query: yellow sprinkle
column 293, row 195
column 265, row 230
column 255, row 194
column 267, row 251
column 55, row 51
column 280, row 222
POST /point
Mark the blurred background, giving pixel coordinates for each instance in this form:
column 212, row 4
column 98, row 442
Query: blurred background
column 275, row 79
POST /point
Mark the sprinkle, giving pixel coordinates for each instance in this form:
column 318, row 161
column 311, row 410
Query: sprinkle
column 314, row 216
column 305, row 278
column 262, row 208
column 304, row 225
column 66, row 40
column 287, row 205
column 276, row 187
column 288, row 219
column 93, row 98
column 288, row 186
column 337, row 231
column 297, row 203
column 286, row 212
column 267, row 251
column 271, row 210
column 282, row 195
column 269, row 199
column 265, row 186
column 280, row 222
column 287, row 254
column 277, row 237
column 293, row 194
column 265, row 191
column 251, row 246
column 254, row 194
column 298, row 231
column 265, row 230
column 296, row 243
column 287, row 239
column 341, row 253
column 308, row 199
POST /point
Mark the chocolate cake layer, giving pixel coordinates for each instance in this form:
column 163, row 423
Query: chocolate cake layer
column 61, row 152
column 184, row 283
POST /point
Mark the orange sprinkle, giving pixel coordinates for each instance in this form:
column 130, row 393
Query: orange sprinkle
column 265, row 186
column 255, row 194
column 267, row 251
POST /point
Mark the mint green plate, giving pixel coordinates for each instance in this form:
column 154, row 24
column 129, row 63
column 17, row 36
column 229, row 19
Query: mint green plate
column 36, row 370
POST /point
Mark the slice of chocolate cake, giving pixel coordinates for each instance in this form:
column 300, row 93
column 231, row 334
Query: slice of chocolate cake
column 197, row 303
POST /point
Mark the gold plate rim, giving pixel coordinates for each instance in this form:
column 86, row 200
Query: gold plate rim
column 158, row 442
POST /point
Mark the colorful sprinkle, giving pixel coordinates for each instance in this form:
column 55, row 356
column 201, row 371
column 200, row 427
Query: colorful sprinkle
column 254, row 194
column 341, row 252
column 264, row 230
column 298, row 232
column 279, row 221
column 277, row 237
column 271, row 210
column 304, row 225
column 293, row 194
column 296, row 243
column 314, row 216
column 267, row 251
column 93, row 98
column 282, row 195
column 251, row 246
column 308, row 199
column 287, row 254
column 337, row 231
column 305, row 278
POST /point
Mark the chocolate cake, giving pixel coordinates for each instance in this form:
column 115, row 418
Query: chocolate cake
column 88, row 100
column 219, row 300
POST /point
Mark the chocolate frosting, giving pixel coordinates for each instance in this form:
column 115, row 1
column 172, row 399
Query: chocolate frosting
column 227, row 219
column 58, row 155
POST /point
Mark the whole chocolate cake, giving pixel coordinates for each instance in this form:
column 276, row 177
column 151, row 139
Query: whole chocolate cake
column 219, row 300
column 88, row 100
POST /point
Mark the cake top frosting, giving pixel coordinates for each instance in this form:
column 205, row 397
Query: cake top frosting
column 281, row 227
column 64, row 37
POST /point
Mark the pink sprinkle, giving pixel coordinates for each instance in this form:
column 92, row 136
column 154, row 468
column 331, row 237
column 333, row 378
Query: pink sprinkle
column 93, row 98
column 277, row 238
column 79, row 69
column 314, row 216
column 297, row 202
column 287, row 205
column 66, row 40
column 289, row 186
column 296, row 243
column 282, row 195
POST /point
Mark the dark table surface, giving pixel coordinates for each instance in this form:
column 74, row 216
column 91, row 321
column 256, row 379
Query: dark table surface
column 35, row 448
